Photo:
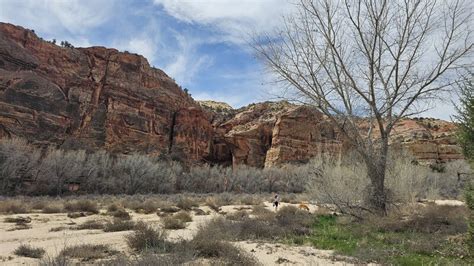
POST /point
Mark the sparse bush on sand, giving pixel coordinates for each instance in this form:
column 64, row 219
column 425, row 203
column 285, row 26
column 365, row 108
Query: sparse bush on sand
column 29, row 251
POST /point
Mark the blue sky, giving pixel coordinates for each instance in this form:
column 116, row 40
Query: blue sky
column 202, row 44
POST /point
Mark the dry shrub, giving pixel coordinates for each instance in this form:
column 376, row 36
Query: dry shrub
column 55, row 261
column 13, row 207
column 74, row 215
column 53, row 208
column 119, row 224
column 186, row 203
column 209, row 243
column 212, row 203
column 173, row 223
column 289, row 198
column 180, row 257
column 91, row 225
column 20, row 227
column 57, row 229
column 88, row 252
column 147, row 207
column 169, row 209
column 294, row 220
column 262, row 213
column 237, row 216
column 183, row 216
column 121, row 214
column 430, row 219
column 251, row 200
column 199, row 212
column 82, row 206
column 19, row 220
column 146, row 238
column 224, row 199
column 113, row 208
column 29, row 251
column 39, row 204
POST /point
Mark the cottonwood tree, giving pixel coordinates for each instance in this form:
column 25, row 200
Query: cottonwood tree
column 367, row 64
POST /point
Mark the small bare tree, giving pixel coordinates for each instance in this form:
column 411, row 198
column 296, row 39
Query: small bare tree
column 366, row 64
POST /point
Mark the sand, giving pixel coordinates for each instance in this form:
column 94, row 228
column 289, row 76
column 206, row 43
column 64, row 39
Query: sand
column 53, row 242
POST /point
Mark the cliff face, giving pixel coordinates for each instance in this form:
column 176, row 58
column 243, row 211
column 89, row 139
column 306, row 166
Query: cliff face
column 99, row 98
column 269, row 134
column 94, row 98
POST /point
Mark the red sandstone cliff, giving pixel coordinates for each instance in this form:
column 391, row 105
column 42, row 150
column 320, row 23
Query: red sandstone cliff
column 94, row 98
column 99, row 98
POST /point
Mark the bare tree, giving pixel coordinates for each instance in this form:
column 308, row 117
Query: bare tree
column 19, row 162
column 59, row 167
column 366, row 64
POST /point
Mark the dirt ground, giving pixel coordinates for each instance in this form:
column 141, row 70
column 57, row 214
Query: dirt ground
column 39, row 235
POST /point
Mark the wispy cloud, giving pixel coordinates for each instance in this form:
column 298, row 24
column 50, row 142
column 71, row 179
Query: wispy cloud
column 232, row 18
column 187, row 61
column 57, row 16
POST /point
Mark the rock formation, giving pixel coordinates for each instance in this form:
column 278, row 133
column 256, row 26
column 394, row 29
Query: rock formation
column 100, row 98
column 95, row 97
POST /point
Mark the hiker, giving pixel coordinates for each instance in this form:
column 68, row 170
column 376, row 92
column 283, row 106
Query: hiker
column 276, row 201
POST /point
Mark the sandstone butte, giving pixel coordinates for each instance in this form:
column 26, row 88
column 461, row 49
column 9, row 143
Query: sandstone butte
column 99, row 98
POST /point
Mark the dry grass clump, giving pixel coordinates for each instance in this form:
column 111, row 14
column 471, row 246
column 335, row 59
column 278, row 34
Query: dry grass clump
column 118, row 224
column 294, row 220
column 13, row 207
column 186, row 203
column 251, row 200
column 146, row 238
column 429, row 219
column 199, row 212
column 74, row 215
column 53, row 208
column 59, row 228
column 91, row 225
column 177, row 221
column 208, row 243
column 262, row 213
column 237, row 216
column 178, row 257
column 147, row 207
column 122, row 214
column 88, row 252
column 173, row 223
column 212, row 203
column 113, row 207
column 183, row 216
column 82, row 206
column 38, row 204
column 289, row 198
column 169, row 209
column 19, row 220
column 25, row 250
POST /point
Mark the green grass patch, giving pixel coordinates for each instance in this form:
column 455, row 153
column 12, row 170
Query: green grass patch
column 372, row 243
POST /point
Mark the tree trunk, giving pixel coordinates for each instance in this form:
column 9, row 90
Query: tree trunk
column 376, row 168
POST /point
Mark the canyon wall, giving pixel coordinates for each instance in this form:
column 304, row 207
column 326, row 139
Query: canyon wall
column 100, row 98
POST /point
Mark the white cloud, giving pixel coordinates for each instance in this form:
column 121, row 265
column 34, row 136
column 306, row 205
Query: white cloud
column 57, row 16
column 187, row 61
column 234, row 18
column 142, row 45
